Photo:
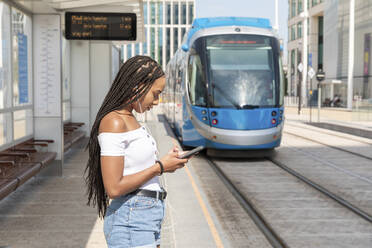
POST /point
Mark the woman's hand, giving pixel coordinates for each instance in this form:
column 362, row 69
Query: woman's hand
column 171, row 162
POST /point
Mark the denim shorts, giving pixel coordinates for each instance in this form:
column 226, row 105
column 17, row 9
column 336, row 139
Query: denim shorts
column 133, row 221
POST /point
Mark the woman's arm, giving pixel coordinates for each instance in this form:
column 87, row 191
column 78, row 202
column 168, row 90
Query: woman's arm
column 116, row 184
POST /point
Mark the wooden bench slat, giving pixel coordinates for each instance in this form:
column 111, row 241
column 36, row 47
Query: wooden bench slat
column 7, row 186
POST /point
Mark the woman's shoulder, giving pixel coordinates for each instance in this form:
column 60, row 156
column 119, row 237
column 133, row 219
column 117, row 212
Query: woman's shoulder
column 113, row 123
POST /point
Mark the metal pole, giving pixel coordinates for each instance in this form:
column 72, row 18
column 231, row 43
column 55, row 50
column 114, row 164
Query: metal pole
column 351, row 57
column 304, row 54
column 311, row 96
column 276, row 27
column 319, row 99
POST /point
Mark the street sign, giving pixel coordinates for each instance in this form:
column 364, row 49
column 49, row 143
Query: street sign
column 300, row 67
column 320, row 76
column 311, row 73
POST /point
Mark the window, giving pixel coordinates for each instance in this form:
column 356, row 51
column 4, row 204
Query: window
column 293, row 8
column 299, row 30
column 167, row 36
column 66, row 81
column 168, row 14
column 22, row 123
column 196, row 82
column 175, row 39
column 129, row 51
column 299, row 7
column 160, row 13
column 5, row 59
column 175, row 14
column 144, row 46
column 145, row 13
column 20, row 74
column 191, row 13
column 22, row 41
column 293, row 59
column 160, row 46
column 5, row 130
column 152, row 46
column 183, row 14
column 183, row 31
column 320, row 42
column 293, row 32
column 152, row 13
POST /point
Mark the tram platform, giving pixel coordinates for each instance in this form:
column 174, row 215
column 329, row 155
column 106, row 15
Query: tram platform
column 336, row 119
column 52, row 211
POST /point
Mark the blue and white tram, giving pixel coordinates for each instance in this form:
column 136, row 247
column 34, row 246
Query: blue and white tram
column 225, row 85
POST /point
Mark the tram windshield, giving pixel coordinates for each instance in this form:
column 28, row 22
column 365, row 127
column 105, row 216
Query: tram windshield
column 241, row 70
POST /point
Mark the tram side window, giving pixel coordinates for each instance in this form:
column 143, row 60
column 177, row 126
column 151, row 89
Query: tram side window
column 197, row 84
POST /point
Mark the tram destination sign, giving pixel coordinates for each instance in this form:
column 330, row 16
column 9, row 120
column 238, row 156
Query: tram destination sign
column 100, row 26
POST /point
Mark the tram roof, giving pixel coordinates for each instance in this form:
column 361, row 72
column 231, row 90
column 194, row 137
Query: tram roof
column 212, row 22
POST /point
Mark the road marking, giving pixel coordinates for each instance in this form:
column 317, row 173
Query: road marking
column 207, row 216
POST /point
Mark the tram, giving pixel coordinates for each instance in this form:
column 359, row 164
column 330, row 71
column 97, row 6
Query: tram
column 225, row 86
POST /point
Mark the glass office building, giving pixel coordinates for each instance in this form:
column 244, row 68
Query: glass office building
column 165, row 23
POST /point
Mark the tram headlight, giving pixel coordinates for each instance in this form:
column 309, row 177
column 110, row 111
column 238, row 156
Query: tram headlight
column 273, row 121
column 214, row 121
column 213, row 113
column 273, row 113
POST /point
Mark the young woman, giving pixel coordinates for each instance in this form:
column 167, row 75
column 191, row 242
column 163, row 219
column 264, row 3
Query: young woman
column 123, row 163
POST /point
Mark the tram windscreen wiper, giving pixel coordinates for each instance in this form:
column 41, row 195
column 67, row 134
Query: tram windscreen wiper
column 247, row 106
column 227, row 97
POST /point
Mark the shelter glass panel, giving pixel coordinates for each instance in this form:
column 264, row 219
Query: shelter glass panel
column 129, row 50
column 22, row 45
column 152, row 46
column 66, row 69
column 5, row 59
column 66, row 111
column 152, row 13
column 5, row 127
column 144, row 45
column 145, row 13
column 22, row 123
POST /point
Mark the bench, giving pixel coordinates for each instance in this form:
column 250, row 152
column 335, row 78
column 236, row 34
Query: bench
column 21, row 162
column 72, row 134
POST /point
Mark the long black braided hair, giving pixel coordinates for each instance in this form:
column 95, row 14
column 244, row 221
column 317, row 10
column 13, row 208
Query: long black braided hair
column 134, row 80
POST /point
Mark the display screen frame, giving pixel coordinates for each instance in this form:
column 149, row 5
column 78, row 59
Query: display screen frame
column 100, row 36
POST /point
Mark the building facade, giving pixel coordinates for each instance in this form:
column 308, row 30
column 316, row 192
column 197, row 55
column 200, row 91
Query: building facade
column 296, row 42
column 336, row 52
column 165, row 23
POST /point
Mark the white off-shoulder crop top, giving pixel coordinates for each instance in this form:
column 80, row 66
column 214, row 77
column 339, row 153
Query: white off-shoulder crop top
column 138, row 148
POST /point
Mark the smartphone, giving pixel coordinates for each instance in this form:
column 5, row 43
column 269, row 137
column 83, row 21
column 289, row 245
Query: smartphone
column 192, row 152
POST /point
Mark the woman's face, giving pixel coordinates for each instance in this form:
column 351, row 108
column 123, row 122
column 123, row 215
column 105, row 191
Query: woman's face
column 151, row 98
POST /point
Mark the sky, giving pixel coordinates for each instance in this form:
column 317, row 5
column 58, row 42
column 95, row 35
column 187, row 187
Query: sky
column 247, row 8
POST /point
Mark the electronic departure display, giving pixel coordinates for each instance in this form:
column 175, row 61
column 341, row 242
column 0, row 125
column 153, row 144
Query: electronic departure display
column 100, row 26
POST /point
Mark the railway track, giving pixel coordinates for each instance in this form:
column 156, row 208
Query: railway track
column 274, row 237
column 249, row 207
column 331, row 146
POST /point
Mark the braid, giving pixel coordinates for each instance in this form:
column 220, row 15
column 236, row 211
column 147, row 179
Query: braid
column 134, row 80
